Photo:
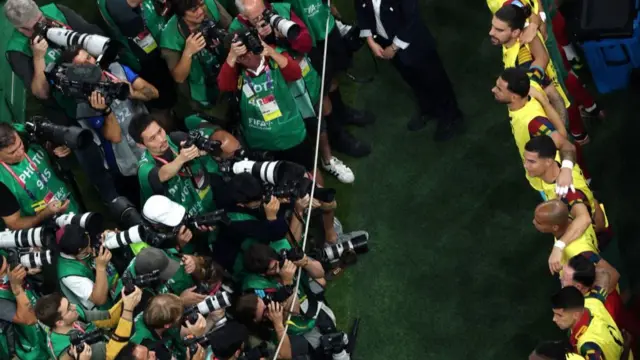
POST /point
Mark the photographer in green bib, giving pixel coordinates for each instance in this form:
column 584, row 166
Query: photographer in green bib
column 66, row 321
column 20, row 334
column 272, row 278
column 86, row 275
column 191, row 55
column 29, row 54
column 30, row 188
column 298, row 43
column 188, row 176
column 161, row 327
column 138, row 25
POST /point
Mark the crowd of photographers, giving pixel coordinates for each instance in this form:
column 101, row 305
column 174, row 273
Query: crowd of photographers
column 199, row 250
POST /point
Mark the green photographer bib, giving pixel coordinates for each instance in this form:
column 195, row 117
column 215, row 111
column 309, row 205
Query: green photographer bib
column 34, row 183
column 202, row 91
column 269, row 115
column 147, row 40
column 86, row 269
column 21, row 43
column 305, row 91
column 170, row 338
column 314, row 14
column 58, row 343
column 299, row 324
column 30, row 341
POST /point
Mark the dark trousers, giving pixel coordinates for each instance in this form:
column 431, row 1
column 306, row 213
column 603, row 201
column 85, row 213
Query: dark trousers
column 429, row 82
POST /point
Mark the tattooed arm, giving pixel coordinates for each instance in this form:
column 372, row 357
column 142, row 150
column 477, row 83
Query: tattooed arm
column 142, row 90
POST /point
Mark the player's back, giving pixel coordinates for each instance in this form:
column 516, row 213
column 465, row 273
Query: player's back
column 601, row 333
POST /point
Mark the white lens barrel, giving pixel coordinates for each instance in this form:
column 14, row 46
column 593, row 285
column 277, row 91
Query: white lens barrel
column 93, row 44
column 214, row 302
column 21, row 238
column 123, row 238
column 242, row 166
column 36, row 259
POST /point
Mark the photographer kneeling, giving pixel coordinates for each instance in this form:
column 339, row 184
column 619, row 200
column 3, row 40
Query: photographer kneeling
column 271, row 279
column 72, row 329
column 86, row 275
column 109, row 118
column 20, row 330
column 30, row 189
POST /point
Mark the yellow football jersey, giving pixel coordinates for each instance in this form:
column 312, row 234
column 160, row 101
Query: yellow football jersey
column 586, row 242
column 598, row 332
column 494, row 5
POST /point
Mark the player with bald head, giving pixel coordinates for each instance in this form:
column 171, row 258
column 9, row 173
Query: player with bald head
column 552, row 217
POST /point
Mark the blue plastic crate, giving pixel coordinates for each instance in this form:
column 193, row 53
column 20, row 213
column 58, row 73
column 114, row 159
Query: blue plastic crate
column 611, row 62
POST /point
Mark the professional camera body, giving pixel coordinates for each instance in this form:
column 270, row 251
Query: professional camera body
column 142, row 281
column 299, row 188
column 209, row 219
column 203, row 143
column 79, row 81
column 40, row 130
column 334, row 346
column 251, row 40
column 213, row 34
column 80, row 340
column 288, row 28
column 293, row 254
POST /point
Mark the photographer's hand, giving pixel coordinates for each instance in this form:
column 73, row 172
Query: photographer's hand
column 195, row 42
column 288, row 272
column 197, row 329
column 184, row 236
column 61, row 151
column 97, row 101
column 275, row 313
column 264, row 29
column 84, row 355
column 199, row 355
column 187, row 154
column 267, row 51
column 237, row 49
column 189, row 297
column 56, row 207
column 39, row 84
column 271, row 209
column 189, row 263
column 103, row 258
column 129, row 302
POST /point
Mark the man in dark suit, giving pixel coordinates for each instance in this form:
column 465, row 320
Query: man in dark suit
column 395, row 32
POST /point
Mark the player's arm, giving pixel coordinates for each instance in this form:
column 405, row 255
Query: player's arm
column 607, row 276
column 566, row 148
column 591, row 351
column 552, row 114
column 539, row 54
column 581, row 221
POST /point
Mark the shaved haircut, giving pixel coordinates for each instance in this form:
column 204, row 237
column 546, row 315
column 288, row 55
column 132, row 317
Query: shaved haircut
column 553, row 212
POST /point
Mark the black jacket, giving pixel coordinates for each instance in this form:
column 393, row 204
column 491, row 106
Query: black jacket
column 400, row 18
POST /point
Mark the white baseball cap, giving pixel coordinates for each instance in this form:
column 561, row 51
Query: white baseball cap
column 161, row 210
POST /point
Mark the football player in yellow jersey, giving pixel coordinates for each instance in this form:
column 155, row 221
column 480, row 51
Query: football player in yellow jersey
column 533, row 116
column 594, row 334
column 506, row 28
column 552, row 217
column 535, row 20
column 585, row 210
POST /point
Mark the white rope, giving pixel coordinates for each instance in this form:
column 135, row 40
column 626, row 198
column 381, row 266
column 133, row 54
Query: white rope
column 315, row 172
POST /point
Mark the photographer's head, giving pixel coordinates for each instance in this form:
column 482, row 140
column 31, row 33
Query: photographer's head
column 12, row 149
column 227, row 343
column 163, row 312
column 23, row 15
column 245, row 191
column 151, row 259
column 579, row 272
column 512, row 86
column 508, row 23
column 551, row 217
column 77, row 55
column 133, row 351
column 539, row 155
column 55, row 311
column 192, row 12
column 252, row 10
column 148, row 133
column 249, row 308
column 262, row 259
column 75, row 242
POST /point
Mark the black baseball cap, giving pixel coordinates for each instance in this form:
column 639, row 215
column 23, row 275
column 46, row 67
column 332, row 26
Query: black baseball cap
column 244, row 188
column 228, row 339
column 74, row 239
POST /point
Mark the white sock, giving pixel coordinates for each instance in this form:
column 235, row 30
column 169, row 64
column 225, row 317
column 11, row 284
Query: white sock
column 570, row 52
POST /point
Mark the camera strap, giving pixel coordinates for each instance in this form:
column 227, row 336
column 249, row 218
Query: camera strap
column 21, row 182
